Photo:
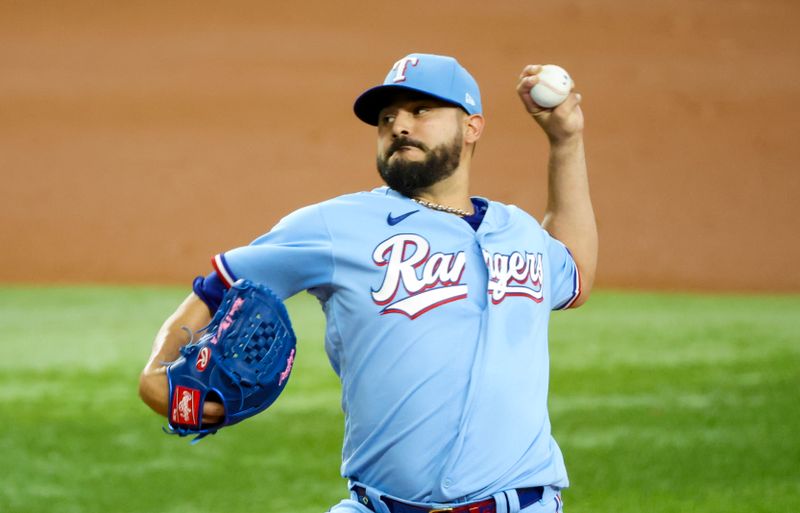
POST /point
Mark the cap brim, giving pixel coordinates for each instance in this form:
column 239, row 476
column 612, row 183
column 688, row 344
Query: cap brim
column 368, row 106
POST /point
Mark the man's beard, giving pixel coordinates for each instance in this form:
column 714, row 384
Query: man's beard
column 410, row 177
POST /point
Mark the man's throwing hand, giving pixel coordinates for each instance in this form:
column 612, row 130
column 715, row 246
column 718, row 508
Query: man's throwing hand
column 560, row 123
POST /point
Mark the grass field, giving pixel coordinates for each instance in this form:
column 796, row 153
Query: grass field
column 661, row 403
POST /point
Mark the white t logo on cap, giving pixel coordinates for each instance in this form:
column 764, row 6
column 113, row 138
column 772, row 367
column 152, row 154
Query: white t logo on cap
column 400, row 68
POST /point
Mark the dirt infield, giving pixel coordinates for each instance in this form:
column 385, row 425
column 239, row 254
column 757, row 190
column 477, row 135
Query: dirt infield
column 137, row 140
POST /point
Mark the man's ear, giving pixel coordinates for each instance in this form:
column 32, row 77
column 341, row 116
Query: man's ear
column 473, row 128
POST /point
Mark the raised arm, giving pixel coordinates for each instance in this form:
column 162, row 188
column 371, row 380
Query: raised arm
column 569, row 216
column 192, row 314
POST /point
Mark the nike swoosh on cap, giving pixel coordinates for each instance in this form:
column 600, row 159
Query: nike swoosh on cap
column 394, row 220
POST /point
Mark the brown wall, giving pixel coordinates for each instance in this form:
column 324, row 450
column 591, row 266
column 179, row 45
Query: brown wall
column 135, row 141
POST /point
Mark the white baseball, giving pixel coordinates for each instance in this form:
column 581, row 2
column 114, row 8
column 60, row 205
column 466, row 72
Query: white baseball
column 553, row 87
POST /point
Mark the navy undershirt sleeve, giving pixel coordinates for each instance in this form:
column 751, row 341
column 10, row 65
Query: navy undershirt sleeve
column 210, row 289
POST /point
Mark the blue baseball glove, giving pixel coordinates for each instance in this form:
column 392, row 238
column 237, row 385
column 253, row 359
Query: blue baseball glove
column 243, row 360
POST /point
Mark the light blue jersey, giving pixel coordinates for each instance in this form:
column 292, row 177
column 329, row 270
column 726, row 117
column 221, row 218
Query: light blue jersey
column 438, row 333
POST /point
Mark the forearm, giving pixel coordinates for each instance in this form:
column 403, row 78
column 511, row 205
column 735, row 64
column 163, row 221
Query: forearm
column 569, row 216
column 192, row 315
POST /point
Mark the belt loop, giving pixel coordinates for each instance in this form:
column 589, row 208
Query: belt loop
column 549, row 494
column 501, row 502
column 377, row 503
column 374, row 499
column 513, row 501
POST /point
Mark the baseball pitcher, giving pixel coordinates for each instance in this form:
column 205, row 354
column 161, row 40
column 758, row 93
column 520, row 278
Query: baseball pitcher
column 437, row 302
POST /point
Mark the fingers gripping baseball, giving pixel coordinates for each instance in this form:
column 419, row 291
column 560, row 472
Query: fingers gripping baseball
column 527, row 79
column 560, row 122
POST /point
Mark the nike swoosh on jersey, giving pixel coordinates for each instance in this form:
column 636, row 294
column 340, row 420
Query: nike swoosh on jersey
column 394, row 220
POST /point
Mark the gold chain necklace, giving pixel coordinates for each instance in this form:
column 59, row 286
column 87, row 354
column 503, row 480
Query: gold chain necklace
column 442, row 208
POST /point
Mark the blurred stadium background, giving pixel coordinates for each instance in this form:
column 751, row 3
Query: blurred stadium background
column 137, row 139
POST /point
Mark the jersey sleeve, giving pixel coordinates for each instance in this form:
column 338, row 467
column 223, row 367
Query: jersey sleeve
column 565, row 279
column 295, row 255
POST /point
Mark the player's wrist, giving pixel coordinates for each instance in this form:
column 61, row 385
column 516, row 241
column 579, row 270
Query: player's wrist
column 566, row 141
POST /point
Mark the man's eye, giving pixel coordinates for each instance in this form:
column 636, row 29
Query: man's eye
column 388, row 118
column 421, row 110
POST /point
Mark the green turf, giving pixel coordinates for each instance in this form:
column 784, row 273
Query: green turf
column 661, row 403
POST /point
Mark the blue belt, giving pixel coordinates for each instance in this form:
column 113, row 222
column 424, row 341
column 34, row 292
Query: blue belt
column 527, row 496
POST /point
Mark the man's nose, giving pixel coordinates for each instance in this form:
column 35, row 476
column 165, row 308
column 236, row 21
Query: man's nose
column 403, row 123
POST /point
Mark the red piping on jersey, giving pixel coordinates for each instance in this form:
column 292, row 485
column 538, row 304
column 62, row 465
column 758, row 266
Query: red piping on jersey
column 221, row 272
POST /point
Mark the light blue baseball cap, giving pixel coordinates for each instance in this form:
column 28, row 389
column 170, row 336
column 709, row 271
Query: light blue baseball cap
column 435, row 75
